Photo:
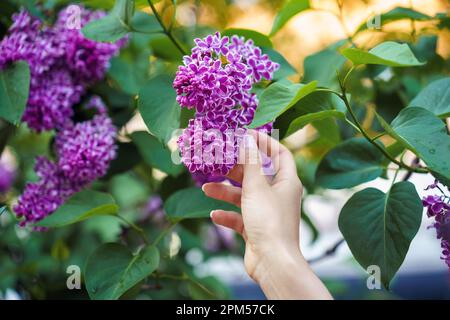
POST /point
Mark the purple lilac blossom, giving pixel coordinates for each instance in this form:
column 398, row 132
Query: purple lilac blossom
column 216, row 80
column 62, row 64
column 438, row 207
column 84, row 151
column 7, row 176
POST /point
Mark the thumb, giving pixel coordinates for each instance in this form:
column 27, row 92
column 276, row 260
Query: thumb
column 250, row 159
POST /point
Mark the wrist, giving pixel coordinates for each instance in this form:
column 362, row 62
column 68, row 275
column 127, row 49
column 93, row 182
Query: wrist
column 278, row 259
column 285, row 274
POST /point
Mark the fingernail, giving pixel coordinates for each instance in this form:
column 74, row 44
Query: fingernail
column 211, row 214
column 203, row 187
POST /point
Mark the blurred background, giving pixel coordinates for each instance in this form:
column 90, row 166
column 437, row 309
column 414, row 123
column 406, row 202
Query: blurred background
column 32, row 265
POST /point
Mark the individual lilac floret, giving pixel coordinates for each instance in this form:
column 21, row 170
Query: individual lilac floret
column 438, row 207
column 7, row 176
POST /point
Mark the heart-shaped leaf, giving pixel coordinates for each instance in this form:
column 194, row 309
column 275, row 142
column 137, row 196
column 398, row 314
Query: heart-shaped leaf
column 14, row 88
column 349, row 164
column 423, row 133
column 379, row 227
column 278, row 98
column 158, row 107
column 435, row 97
column 193, row 203
column 112, row 270
column 388, row 53
column 81, row 206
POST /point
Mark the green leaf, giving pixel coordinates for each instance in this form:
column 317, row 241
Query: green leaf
column 302, row 121
column 285, row 70
column 315, row 102
column 155, row 154
column 14, row 89
column 435, row 98
column 398, row 13
column 145, row 22
column 158, row 107
column 290, row 9
column 323, row 67
column 278, row 98
column 349, row 164
column 259, row 39
column 81, row 206
column 162, row 47
column 193, row 203
column 379, row 227
column 112, row 27
column 423, row 133
column 112, row 270
column 388, row 53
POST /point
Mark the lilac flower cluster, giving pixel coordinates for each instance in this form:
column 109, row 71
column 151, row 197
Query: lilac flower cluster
column 84, row 151
column 7, row 176
column 438, row 207
column 216, row 80
column 62, row 64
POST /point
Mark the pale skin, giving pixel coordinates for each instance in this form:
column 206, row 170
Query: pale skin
column 270, row 220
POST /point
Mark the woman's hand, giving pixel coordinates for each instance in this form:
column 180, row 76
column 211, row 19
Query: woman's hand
column 270, row 219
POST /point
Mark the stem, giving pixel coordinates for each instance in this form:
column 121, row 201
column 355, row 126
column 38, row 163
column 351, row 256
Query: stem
column 166, row 30
column 331, row 251
column 379, row 136
column 138, row 230
column 343, row 96
column 164, row 233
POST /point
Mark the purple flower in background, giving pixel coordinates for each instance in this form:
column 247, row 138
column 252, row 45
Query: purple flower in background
column 87, row 59
column 438, row 207
column 154, row 209
column 218, row 238
column 43, row 197
column 51, row 99
column 216, row 80
column 7, row 176
column 84, row 151
column 62, row 64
